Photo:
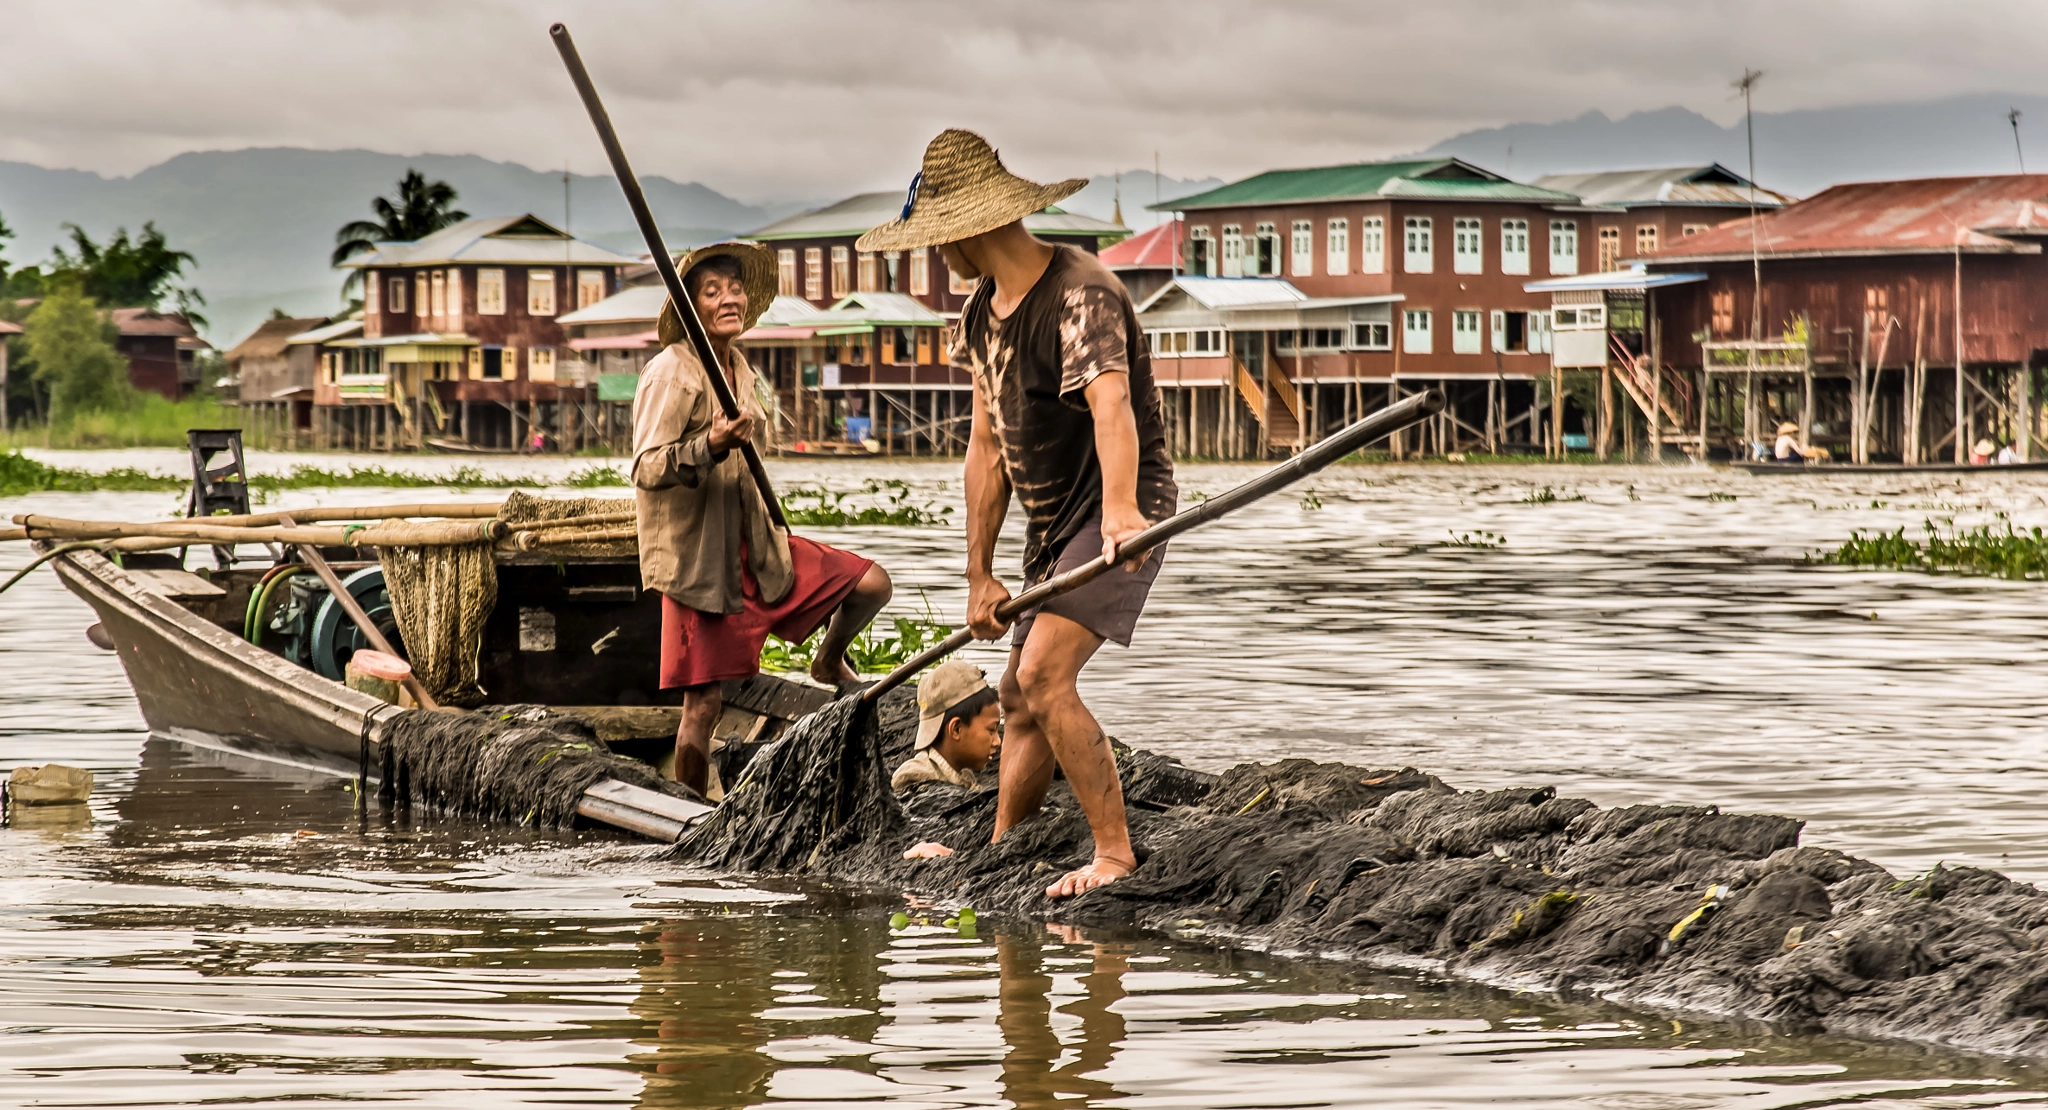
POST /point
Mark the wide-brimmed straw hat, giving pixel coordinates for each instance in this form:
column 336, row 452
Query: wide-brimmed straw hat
column 961, row 191
column 1788, row 429
column 757, row 273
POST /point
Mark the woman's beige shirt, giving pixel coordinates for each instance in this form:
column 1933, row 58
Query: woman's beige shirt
column 694, row 508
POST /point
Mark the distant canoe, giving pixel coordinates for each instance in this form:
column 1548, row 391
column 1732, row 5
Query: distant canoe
column 1885, row 468
column 457, row 447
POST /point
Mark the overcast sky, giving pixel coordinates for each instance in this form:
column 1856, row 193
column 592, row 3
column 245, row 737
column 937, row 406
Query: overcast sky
column 779, row 99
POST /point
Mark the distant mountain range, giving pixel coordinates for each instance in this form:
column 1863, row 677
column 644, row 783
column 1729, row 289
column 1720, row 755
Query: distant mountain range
column 1798, row 152
column 261, row 222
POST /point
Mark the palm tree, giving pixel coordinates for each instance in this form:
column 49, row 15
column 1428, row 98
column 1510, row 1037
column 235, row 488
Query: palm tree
column 422, row 208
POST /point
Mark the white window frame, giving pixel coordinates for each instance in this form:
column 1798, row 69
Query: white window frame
column 1692, row 229
column 1465, row 333
column 1514, row 246
column 1564, row 246
column 437, row 288
column 1651, row 232
column 786, row 276
column 490, row 292
column 1417, row 328
column 373, row 295
column 540, row 293
column 1539, row 333
column 540, row 364
column 1363, row 338
column 1468, row 245
column 1418, row 245
column 1263, row 235
column 1337, row 246
column 842, row 271
column 920, row 272
column 1372, row 245
column 1302, row 247
column 455, row 295
column 866, row 275
column 1233, row 250
column 590, row 285
column 814, row 273
column 1209, row 260
column 421, row 299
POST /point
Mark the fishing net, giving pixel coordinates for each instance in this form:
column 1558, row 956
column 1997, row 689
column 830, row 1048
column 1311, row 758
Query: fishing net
column 523, row 764
column 606, row 540
column 441, row 596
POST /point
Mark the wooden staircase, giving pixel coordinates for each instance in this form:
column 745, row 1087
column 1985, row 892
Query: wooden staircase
column 1278, row 409
column 1638, row 381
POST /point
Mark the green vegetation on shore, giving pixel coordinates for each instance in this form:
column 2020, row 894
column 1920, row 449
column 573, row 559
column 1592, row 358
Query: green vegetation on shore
column 1993, row 550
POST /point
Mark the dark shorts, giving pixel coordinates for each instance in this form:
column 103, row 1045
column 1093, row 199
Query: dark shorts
column 1108, row 606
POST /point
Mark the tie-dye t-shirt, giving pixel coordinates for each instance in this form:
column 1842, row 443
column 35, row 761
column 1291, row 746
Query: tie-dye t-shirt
column 1030, row 371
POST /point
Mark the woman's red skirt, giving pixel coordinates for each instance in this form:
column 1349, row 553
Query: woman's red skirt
column 698, row 647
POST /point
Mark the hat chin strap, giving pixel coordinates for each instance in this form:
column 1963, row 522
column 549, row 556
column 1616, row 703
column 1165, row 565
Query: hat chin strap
column 910, row 197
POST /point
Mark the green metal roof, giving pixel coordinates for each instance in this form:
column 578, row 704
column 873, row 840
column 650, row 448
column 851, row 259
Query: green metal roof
column 1423, row 179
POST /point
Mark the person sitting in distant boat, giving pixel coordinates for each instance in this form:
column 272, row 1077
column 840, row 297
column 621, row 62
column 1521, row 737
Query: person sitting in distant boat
column 2008, row 455
column 959, row 728
column 1789, row 449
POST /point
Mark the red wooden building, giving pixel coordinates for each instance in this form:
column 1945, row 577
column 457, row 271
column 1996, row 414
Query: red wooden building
column 460, row 337
column 162, row 349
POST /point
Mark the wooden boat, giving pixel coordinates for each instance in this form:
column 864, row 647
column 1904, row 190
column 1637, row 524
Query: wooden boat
column 458, row 447
column 198, row 681
column 1885, row 468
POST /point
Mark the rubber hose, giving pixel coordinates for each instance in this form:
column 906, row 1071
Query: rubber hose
column 252, row 622
column 46, row 556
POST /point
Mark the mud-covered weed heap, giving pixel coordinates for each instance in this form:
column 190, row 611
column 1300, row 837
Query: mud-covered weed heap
column 1669, row 908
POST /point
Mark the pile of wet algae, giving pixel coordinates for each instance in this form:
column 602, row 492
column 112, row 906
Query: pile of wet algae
column 1664, row 908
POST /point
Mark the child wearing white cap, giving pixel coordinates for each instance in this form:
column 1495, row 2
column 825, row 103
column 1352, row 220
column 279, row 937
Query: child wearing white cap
column 959, row 727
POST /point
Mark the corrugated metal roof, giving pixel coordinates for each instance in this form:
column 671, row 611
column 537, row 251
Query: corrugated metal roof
column 1930, row 215
column 856, row 215
column 1433, row 178
column 871, row 310
column 336, row 330
column 1157, row 249
column 493, row 240
column 1227, row 293
column 1629, row 280
column 1712, row 183
column 634, row 302
column 1248, row 304
column 785, row 310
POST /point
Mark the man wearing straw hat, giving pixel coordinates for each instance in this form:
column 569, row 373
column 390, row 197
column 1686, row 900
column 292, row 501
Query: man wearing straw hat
column 1066, row 414
column 727, row 575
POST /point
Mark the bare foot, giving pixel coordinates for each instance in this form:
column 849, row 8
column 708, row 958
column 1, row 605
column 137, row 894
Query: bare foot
column 929, row 849
column 1102, row 872
column 832, row 672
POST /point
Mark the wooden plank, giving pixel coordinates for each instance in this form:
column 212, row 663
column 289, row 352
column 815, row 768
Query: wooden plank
column 176, row 584
column 628, row 722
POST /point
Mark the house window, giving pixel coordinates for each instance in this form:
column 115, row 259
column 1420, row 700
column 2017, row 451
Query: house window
column 420, row 301
column 1207, row 342
column 1233, row 250
column 1309, row 340
column 1723, row 321
column 1646, row 238
column 1511, row 332
column 1693, row 229
column 1582, row 318
column 1466, row 248
column 814, row 274
column 540, row 364
column 1372, row 337
column 842, row 275
column 1514, row 246
column 1268, row 246
column 1539, row 333
column 892, row 268
column 957, row 285
column 1337, row 247
column 920, row 272
column 1302, row 244
column 455, row 299
column 864, row 273
column 1415, row 338
column 1465, row 331
column 397, row 288
column 540, row 292
column 1372, row 245
column 589, row 287
column 437, row 284
column 1418, row 254
column 785, row 272
column 494, row 363
column 371, row 290
column 1564, row 246
column 1610, row 249
column 490, row 292
column 1201, row 253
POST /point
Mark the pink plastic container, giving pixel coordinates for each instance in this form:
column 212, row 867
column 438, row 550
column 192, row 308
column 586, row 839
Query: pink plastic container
column 376, row 664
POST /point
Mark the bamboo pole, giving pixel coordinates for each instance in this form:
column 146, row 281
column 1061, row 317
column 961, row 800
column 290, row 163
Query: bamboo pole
column 457, row 510
column 395, row 533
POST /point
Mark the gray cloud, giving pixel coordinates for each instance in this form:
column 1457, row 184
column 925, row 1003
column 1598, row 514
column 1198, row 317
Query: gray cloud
column 773, row 99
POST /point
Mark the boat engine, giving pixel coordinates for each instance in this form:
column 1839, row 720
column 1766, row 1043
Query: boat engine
column 316, row 632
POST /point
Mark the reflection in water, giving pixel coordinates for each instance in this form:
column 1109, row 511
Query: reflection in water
column 1035, row 1072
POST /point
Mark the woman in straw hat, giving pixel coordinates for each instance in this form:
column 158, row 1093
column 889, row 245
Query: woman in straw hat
column 1066, row 414
column 727, row 575
column 1788, row 448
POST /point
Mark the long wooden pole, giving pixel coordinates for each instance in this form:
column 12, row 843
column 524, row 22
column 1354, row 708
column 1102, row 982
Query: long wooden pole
column 1392, row 418
column 663, row 264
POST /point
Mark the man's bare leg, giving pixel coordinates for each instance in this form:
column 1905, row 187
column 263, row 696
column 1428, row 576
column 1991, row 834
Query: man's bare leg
column 701, row 707
column 1045, row 670
column 869, row 595
column 1025, row 770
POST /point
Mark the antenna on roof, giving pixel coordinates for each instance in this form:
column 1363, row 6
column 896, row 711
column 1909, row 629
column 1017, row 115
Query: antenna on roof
column 2012, row 116
column 1116, row 212
column 1756, row 310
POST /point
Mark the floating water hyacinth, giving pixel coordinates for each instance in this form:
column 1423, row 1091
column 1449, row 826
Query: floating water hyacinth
column 1995, row 550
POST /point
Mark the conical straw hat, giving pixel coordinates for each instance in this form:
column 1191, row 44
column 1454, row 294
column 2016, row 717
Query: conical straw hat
column 962, row 191
column 757, row 273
